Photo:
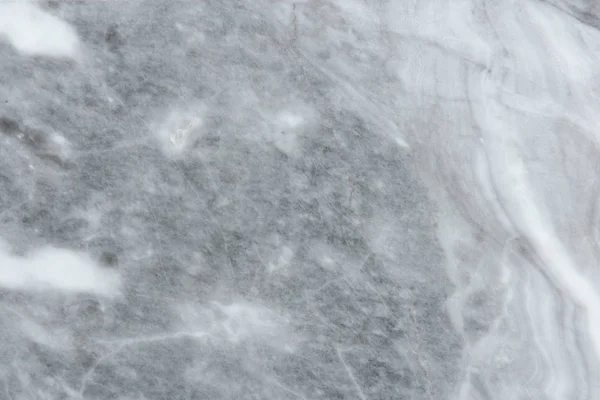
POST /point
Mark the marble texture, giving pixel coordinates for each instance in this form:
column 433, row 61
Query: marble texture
column 335, row 199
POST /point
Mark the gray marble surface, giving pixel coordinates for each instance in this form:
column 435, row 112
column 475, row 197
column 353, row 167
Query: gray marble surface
column 335, row 199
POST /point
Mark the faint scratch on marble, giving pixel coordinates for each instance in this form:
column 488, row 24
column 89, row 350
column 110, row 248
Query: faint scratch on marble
column 350, row 374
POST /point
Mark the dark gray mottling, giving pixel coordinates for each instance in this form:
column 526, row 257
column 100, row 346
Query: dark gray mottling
column 291, row 200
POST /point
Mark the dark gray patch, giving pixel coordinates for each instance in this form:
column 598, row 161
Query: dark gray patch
column 113, row 38
column 53, row 4
column 36, row 216
column 109, row 259
column 56, row 160
column 9, row 125
column 36, row 138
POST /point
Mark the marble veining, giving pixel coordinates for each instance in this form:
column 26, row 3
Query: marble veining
column 335, row 199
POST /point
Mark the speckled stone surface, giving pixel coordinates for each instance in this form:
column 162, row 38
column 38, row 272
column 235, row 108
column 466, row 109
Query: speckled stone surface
column 331, row 199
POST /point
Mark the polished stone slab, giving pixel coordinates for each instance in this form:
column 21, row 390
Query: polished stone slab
column 298, row 200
